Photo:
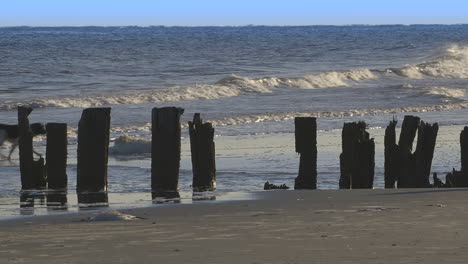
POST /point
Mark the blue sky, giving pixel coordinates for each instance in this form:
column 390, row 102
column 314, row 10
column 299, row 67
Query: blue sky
column 230, row 12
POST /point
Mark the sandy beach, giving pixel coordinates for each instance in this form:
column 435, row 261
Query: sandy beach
column 324, row 226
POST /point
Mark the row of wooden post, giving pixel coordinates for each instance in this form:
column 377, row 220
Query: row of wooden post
column 403, row 168
column 92, row 153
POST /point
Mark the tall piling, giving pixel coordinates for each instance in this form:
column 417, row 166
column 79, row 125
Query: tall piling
column 33, row 174
column 390, row 152
column 464, row 156
column 414, row 169
column 165, row 151
column 427, row 136
column 357, row 162
column 56, row 155
column 306, row 146
column 93, row 148
column 202, row 148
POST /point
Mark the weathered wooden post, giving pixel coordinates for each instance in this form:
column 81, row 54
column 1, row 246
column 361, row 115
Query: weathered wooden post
column 464, row 157
column 56, row 155
column 203, row 155
column 25, row 148
column 427, row 135
column 390, row 152
column 413, row 169
column 357, row 159
column 306, row 146
column 33, row 174
column 165, row 151
column 93, row 145
column 404, row 162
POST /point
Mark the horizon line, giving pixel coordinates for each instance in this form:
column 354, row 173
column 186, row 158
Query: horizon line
column 246, row 25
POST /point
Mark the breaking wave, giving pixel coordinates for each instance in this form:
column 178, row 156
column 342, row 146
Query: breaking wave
column 443, row 92
column 451, row 63
column 228, row 86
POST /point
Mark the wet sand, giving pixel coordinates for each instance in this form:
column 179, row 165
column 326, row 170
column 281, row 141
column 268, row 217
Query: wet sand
column 347, row 226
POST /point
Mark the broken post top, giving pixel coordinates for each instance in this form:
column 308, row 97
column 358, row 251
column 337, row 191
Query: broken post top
column 408, row 132
column 355, row 131
column 198, row 122
column 26, row 109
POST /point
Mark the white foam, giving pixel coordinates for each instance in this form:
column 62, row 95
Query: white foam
column 445, row 92
column 451, row 63
column 321, row 80
column 228, row 86
column 127, row 145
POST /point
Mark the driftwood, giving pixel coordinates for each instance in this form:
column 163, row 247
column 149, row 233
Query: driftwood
column 357, row 159
column 33, row 174
column 306, row 146
column 93, row 148
column 271, row 186
column 165, row 151
column 56, row 155
column 203, row 155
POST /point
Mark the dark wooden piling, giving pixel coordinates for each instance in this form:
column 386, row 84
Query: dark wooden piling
column 33, row 174
column 203, row 155
column 93, row 146
column 464, row 157
column 427, row 135
column 405, row 160
column 56, row 155
column 390, row 152
column 414, row 169
column 306, row 146
column 25, row 149
column 165, row 150
column 357, row 159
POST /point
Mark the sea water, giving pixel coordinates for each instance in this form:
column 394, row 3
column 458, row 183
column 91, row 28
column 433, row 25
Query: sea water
column 250, row 82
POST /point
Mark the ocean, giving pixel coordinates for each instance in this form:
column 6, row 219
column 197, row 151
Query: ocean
column 250, row 82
